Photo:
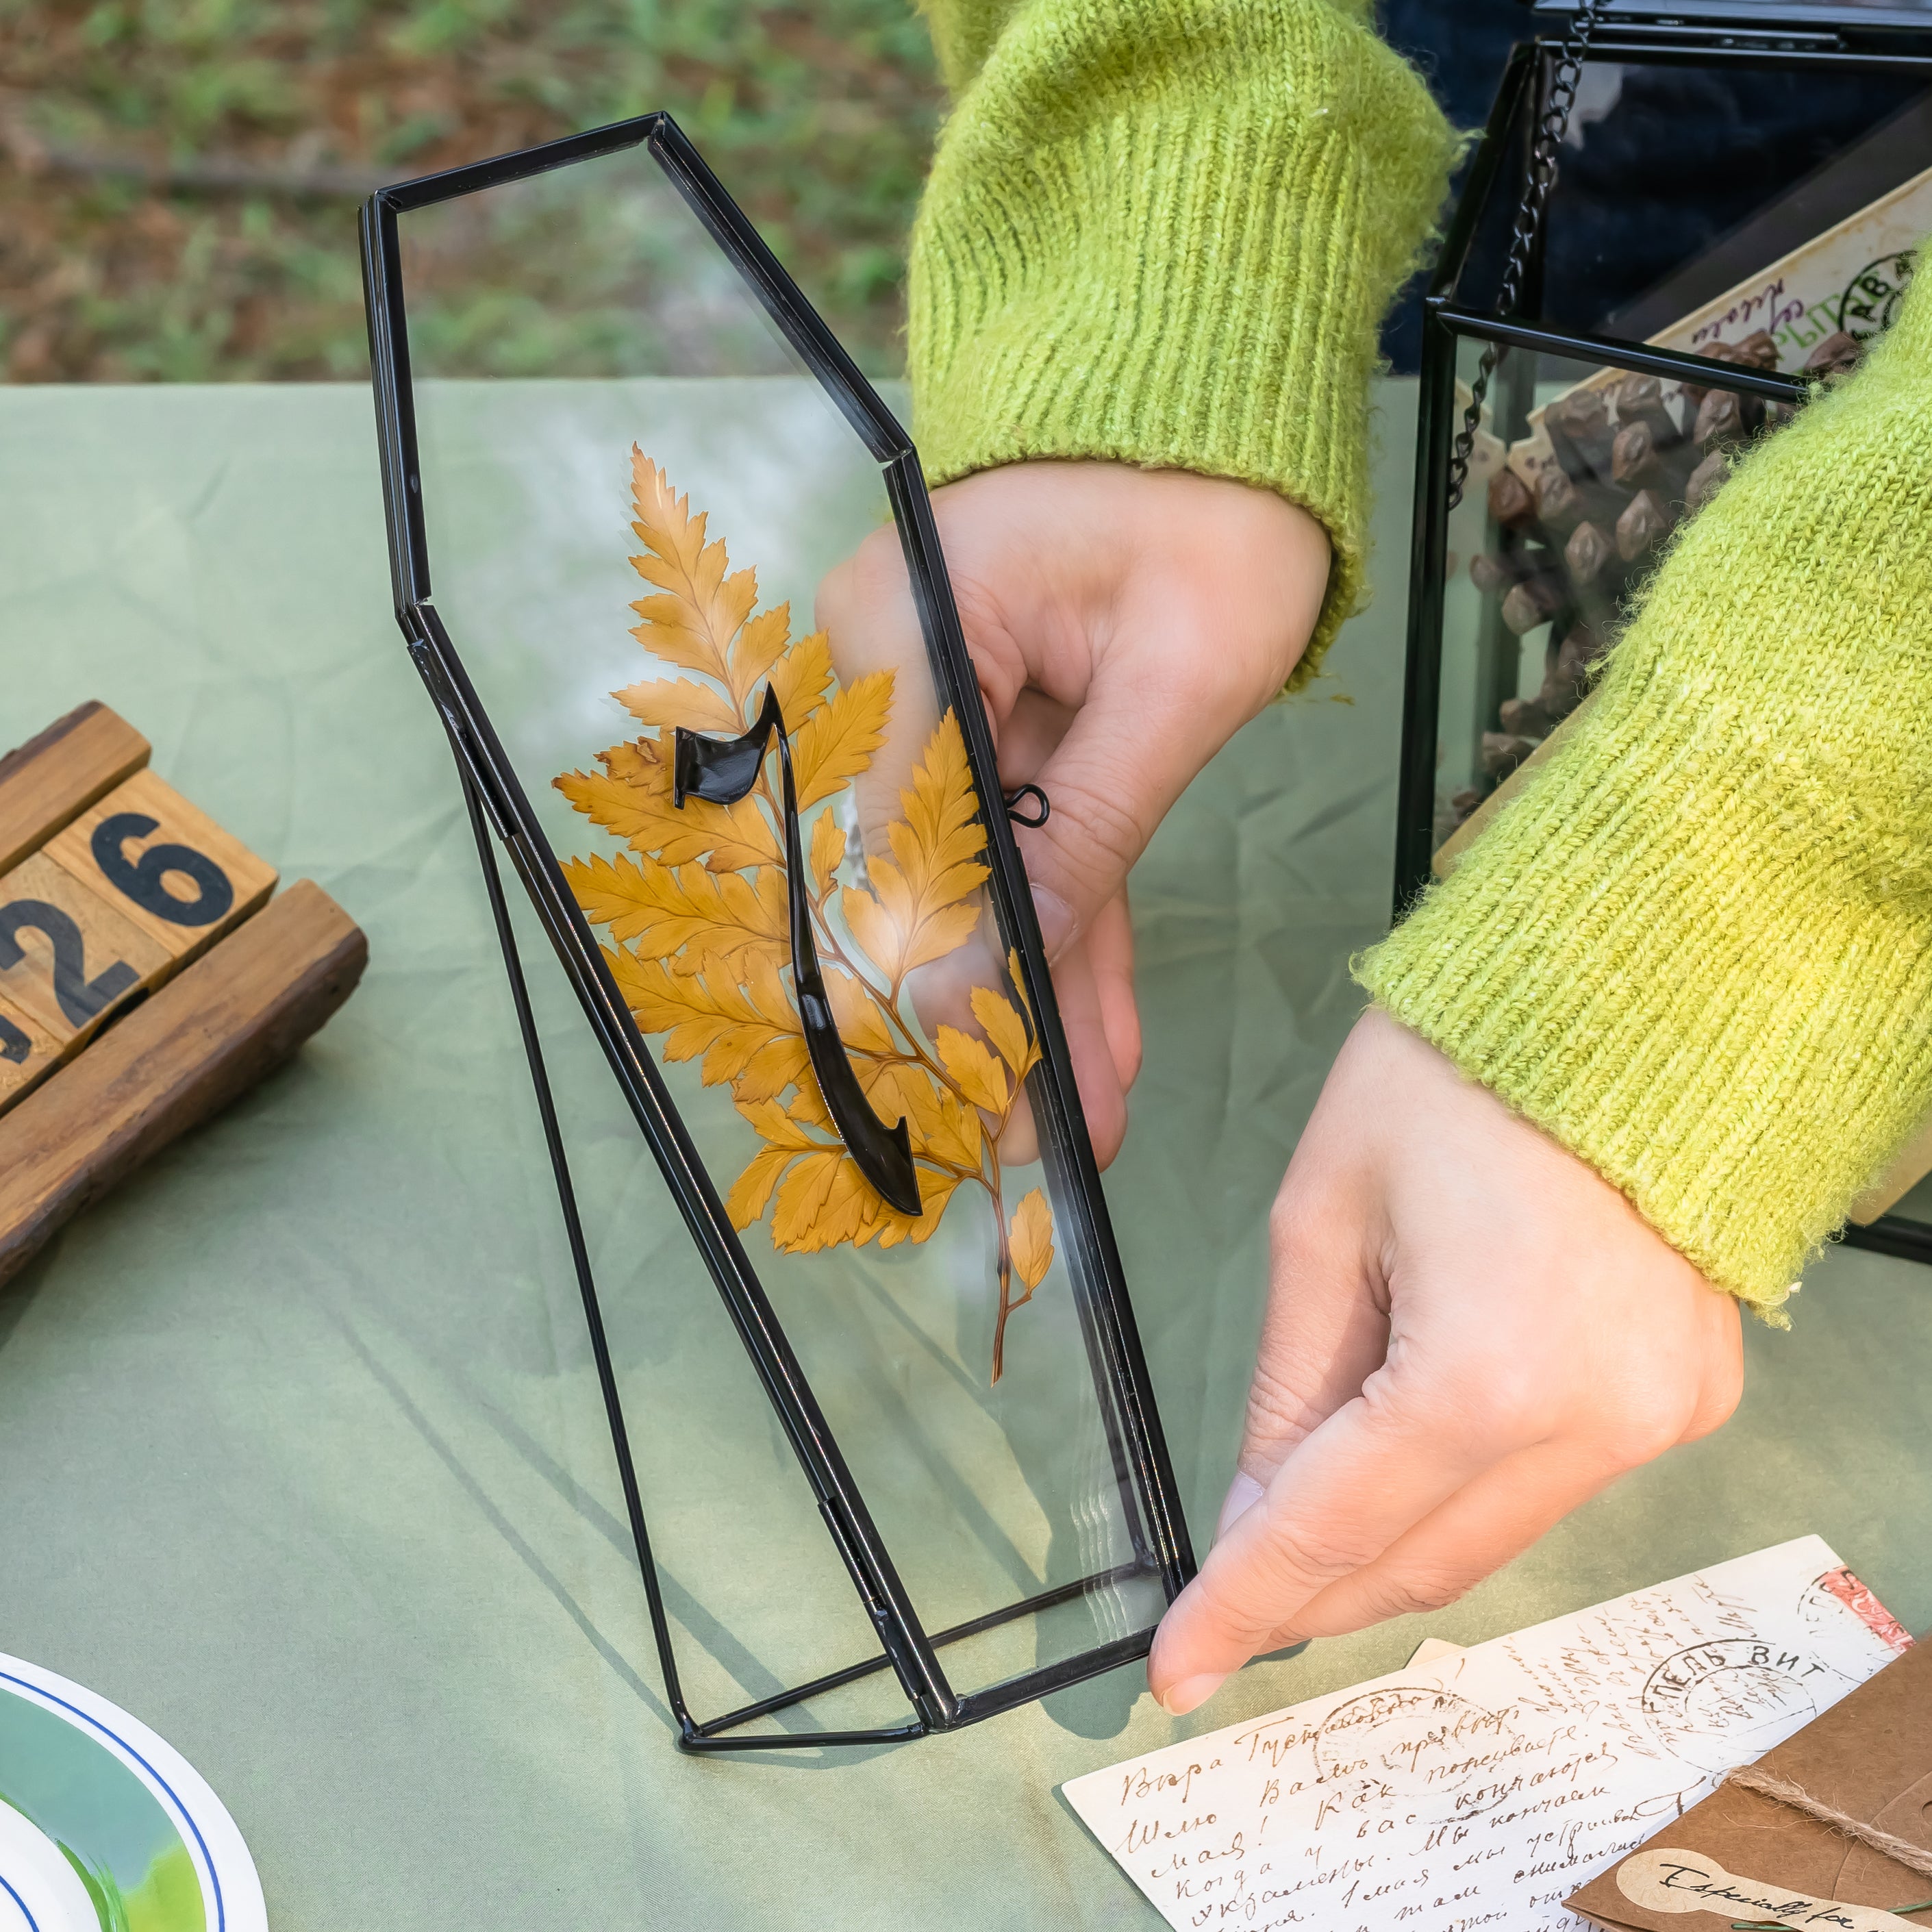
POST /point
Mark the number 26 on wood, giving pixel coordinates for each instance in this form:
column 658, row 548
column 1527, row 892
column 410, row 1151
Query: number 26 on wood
column 163, row 866
column 108, row 908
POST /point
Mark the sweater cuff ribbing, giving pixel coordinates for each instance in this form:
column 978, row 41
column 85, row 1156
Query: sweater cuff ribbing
column 1698, row 950
column 1162, row 232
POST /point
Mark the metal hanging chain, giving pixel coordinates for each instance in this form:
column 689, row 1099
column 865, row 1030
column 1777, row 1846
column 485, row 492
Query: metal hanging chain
column 1550, row 131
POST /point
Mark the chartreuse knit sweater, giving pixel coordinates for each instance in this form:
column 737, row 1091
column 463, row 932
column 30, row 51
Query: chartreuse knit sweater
column 1698, row 950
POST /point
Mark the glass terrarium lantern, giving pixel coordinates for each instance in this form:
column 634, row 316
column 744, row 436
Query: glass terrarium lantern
column 1680, row 219
column 893, row 1366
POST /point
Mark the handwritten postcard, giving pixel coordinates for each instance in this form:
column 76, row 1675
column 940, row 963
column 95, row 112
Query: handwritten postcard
column 1481, row 1787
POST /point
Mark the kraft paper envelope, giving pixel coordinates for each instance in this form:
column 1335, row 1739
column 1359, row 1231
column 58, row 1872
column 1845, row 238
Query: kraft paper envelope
column 1870, row 1755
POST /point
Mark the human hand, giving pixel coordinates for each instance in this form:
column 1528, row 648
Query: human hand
column 1468, row 1332
column 1124, row 623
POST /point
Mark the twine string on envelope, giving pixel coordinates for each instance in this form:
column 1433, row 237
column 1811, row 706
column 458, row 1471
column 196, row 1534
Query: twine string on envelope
column 1901, row 1850
column 1914, row 1858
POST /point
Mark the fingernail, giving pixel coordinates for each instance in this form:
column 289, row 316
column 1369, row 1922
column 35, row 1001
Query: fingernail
column 1189, row 1694
column 1056, row 923
column 1243, row 1492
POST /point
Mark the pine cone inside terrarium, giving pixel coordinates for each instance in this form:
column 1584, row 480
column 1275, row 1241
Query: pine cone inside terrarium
column 1634, row 458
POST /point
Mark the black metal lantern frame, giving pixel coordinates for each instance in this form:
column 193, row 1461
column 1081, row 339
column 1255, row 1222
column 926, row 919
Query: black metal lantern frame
column 1809, row 36
column 501, row 812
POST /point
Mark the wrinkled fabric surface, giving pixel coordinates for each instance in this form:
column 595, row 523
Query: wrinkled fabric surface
column 301, row 1459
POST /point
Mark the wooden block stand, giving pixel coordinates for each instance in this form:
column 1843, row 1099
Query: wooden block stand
column 147, row 978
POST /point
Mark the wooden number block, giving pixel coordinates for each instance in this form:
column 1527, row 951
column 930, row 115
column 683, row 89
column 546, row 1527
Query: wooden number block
column 164, row 866
column 27, row 1052
column 111, row 885
column 50, row 778
column 207, row 1036
column 68, row 958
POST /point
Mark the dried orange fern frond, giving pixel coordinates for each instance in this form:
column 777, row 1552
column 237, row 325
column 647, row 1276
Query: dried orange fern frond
column 835, row 745
column 661, row 701
column 699, row 608
column 759, row 646
column 975, row 1072
column 631, row 797
column 697, row 911
column 741, row 1020
column 924, row 906
column 803, row 678
column 1006, row 1029
column 666, row 909
column 1032, row 1238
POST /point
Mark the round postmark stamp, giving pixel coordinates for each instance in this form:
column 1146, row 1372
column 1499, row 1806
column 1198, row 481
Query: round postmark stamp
column 1718, row 1704
column 1828, row 1600
column 1410, row 1741
column 1870, row 303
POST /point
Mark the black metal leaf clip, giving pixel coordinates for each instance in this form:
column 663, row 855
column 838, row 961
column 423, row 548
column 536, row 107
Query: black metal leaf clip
column 723, row 770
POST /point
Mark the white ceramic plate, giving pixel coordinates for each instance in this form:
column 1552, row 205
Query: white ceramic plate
column 104, row 1827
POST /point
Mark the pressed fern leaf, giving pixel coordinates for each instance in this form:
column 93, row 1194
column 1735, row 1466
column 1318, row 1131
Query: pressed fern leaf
column 671, row 701
column 700, row 609
column 1019, row 987
column 836, row 742
column 751, row 1192
column 733, row 1018
column 821, row 1201
column 828, row 853
column 667, row 908
column 1005, row 1030
column 1031, row 1235
column 862, row 1022
column 631, row 797
column 697, row 916
column 935, row 1190
column 936, row 844
column 757, row 649
column 776, row 1124
column 802, row 679
column 920, row 909
column 977, row 1074
column 950, row 1131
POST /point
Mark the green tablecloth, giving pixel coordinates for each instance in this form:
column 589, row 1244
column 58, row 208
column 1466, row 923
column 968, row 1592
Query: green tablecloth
column 300, row 1457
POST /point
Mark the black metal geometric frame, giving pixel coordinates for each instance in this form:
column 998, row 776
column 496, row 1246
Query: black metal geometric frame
column 500, row 813
column 1720, row 36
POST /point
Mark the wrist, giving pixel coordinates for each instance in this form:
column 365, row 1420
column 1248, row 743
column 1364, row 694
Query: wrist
column 1697, row 950
column 1134, row 246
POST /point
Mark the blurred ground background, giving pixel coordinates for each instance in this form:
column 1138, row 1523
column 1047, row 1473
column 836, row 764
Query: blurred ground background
column 179, row 179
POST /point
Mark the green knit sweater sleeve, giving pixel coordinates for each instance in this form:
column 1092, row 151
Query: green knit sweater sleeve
column 1163, row 232
column 1698, row 950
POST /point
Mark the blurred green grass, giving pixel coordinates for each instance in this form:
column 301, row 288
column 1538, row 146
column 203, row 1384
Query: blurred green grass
column 178, row 178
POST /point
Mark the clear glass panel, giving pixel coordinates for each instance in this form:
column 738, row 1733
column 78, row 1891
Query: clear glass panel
column 630, row 510
column 1580, row 475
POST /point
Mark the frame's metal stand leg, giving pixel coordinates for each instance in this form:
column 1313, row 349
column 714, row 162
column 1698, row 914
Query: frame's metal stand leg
column 580, row 1254
column 691, row 1736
